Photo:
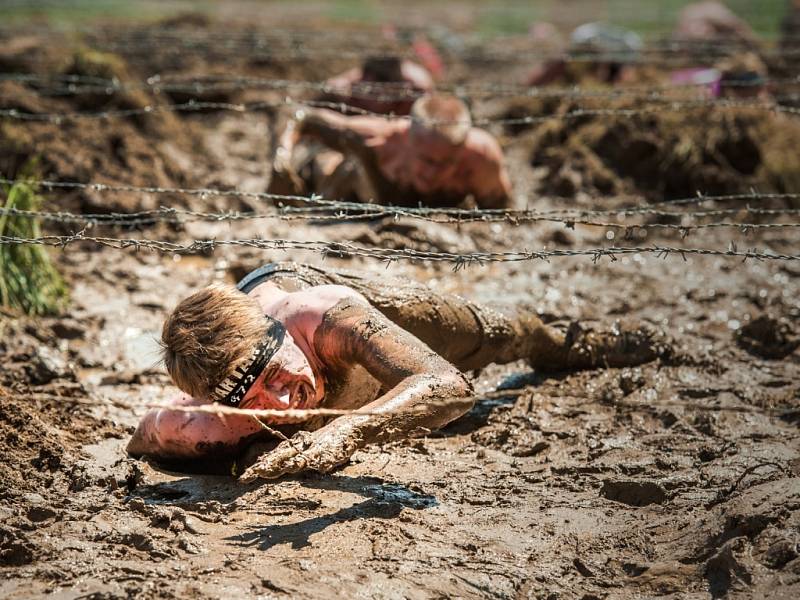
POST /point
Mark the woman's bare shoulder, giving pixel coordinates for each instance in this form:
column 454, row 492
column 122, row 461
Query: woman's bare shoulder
column 312, row 304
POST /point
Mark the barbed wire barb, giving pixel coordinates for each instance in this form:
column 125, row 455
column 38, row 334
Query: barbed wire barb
column 195, row 246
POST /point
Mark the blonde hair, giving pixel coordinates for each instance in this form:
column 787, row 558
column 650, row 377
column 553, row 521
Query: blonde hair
column 429, row 112
column 208, row 335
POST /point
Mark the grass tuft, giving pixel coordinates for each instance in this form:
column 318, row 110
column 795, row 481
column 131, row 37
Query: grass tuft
column 28, row 280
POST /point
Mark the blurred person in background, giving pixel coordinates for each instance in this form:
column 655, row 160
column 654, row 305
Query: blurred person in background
column 434, row 158
column 709, row 32
column 382, row 84
column 597, row 51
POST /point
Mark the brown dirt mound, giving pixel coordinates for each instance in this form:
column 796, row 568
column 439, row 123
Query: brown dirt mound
column 668, row 154
column 140, row 150
column 39, row 419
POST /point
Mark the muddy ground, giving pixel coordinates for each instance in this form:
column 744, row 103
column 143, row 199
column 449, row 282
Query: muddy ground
column 677, row 479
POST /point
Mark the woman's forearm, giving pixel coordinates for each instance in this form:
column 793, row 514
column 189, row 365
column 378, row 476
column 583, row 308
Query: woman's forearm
column 420, row 403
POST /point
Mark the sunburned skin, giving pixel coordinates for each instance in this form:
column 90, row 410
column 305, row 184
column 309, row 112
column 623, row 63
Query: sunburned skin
column 331, row 332
column 405, row 165
column 384, row 345
column 295, row 381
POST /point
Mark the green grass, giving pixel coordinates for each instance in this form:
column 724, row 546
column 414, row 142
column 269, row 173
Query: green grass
column 28, row 280
column 653, row 18
column 353, row 11
column 657, row 19
column 81, row 12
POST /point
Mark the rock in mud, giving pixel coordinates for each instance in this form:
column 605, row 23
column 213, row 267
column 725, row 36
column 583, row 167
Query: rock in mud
column 45, row 366
column 768, row 337
column 781, row 553
column 631, row 380
column 634, row 493
column 725, row 570
column 530, row 449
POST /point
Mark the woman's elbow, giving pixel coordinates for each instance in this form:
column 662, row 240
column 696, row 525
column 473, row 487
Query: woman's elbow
column 163, row 434
column 144, row 440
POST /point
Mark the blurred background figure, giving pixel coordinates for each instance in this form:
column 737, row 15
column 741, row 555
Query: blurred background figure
column 547, row 40
column 437, row 158
column 599, row 51
column 617, row 50
column 710, row 30
column 710, row 22
column 399, row 82
column 743, row 76
column 382, row 84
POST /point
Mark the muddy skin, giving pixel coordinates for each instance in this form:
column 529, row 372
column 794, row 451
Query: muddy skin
column 361, row 176
column 369, row 174
column 369, row 349
column 472, row 335
column 356, row 335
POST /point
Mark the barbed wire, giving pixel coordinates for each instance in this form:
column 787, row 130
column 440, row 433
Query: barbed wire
column 181, row 216
column 215, row 79
column 304, row 413
column 406, row 32
column 179, row 58
column 465, row 215
column 383, row 92
column 351, row 36
column 314, row 199
column 186, row 44
column 388, row 255
column 264, row 46
column 195, row 106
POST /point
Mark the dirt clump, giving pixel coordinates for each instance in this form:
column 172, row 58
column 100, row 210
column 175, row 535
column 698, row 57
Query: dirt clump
column 666, row 153
column 769, row 337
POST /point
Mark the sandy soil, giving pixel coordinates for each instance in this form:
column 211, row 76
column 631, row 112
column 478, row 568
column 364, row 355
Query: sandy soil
column 677, row 479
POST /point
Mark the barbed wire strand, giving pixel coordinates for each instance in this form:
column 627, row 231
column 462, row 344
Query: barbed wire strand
column 481, row 54
column 297, row 413
column 422, row 211
column 180, row 216
column 380, row 91
column 346, row 36
column 196, row 106
column 388, row 255
column 218, row 79
column 350, row 35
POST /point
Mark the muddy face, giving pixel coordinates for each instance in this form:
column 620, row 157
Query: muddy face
column 286, row 382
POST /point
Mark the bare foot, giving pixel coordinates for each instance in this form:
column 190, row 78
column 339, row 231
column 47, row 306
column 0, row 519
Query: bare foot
column 621, row 345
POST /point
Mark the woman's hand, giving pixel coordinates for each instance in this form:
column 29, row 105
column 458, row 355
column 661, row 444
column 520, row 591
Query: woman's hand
column 320, row 451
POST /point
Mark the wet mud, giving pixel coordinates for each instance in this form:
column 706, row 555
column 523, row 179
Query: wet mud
column 678, row 478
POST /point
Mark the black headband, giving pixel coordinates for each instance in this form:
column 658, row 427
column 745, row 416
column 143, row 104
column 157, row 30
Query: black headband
column 232, row 390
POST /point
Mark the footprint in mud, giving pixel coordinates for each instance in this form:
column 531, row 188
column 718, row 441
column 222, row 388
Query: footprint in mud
column 634, row 493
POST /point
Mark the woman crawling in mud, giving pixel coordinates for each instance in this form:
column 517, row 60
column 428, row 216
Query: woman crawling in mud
column 298, row 336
